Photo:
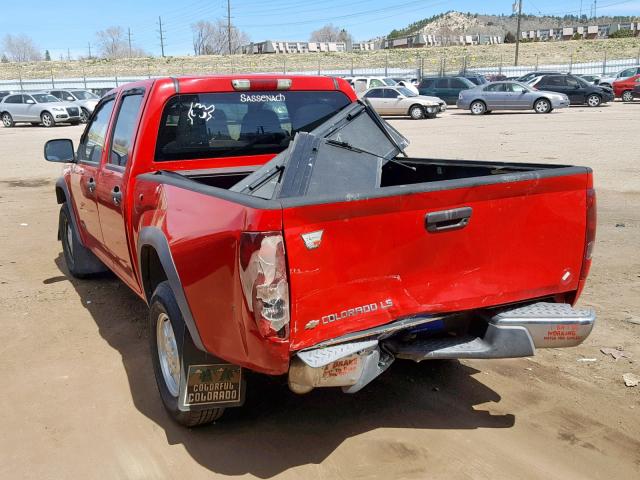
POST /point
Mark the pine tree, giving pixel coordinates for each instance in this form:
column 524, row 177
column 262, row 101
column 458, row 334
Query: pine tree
column 47, row 55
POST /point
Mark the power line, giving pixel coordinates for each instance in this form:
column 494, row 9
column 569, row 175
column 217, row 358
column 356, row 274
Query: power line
column 161, row 36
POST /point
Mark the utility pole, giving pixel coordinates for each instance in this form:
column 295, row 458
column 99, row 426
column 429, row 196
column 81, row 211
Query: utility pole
column 129, row 36
column 89, row 45
column 595, row 10
column 229, row 24
column 518, row 29
column 68, row 54
column 161, row 36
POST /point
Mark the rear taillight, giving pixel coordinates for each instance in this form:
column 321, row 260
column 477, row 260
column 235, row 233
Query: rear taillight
column 263, row 274
column 590, row 236
column 590, row 240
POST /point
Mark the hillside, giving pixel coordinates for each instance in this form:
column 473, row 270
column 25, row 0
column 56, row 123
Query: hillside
column 459, row 23
column 477, row 56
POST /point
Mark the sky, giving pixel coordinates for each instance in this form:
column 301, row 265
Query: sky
column 72, row 24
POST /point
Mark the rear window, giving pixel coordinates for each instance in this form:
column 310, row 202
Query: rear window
column 213, row 125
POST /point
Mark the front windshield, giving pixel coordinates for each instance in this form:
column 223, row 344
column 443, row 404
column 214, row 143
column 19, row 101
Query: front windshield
column 44, row 98
column 389, row 81
column 406, row 92
column 84, row 95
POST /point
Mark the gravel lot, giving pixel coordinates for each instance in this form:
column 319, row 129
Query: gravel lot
column 79, row 398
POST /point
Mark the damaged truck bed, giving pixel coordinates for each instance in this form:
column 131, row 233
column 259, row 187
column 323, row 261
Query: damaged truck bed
column 340, row 254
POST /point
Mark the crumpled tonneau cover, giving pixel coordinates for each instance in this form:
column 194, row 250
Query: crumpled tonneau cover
column 343, row 155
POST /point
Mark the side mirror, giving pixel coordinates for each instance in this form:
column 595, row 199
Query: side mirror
column 59, row 150
column 596, row 81
column 30, row 101
column 576, row 87
column 70, row 99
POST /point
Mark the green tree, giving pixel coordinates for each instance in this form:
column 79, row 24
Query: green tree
column 509, row 38
column 47, row 56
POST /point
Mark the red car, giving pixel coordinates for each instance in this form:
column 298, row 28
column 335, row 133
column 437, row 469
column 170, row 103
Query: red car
column 273, row 224
column 625, row 88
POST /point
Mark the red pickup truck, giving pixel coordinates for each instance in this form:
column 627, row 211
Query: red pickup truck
column 275, row 225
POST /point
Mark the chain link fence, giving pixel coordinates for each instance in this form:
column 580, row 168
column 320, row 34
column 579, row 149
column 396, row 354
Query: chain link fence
column 104, row 74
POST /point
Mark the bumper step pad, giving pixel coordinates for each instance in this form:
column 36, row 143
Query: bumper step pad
column 510, row 333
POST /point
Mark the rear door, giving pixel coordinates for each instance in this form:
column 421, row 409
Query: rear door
column 358, row 264
column 111, row 192
column 84, row 174
column 494, row 96
column 16, row 107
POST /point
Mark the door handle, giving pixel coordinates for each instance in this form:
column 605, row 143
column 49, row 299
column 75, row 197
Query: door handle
column 446, row 220
column 91, row 185
column 116, row 195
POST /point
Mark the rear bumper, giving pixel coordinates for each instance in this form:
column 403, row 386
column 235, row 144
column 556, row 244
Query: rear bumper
column 509, row 334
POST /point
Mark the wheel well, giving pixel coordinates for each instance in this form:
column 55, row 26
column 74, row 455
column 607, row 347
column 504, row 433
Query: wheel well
column 45, row 111
column 478, row 100
column 541, row 98
column 415, row 105
column 151, row 270
column 60, row 195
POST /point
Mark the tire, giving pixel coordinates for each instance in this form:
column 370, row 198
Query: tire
column 478, row 107
column 416, row 112
column 542, row 105
column 84, row 115
column 627, row 96
column 80, row 261
column 167, row 327
column 7, row 120
column 594, row 100
column 47, row 119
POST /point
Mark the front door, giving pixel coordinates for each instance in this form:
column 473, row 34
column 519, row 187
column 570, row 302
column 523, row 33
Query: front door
column 84, row 175
column 576, row 91
column 111, row 192
column 494, row 96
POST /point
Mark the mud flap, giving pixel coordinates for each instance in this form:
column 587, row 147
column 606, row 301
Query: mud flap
column 208, row 382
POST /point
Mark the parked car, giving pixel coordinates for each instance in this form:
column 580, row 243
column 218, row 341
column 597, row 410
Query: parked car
column 579, row 91
column 362, row 84
column 497, row 77
column 4, row 93
column 245, row 238
column 84, row 99
column 528, row 77
column 624, row 88
column 402, row 101
column 37, row 108
column 593, row 79
column 476, row 79
column 622, row 74
column 446, row 88
column 509, row 96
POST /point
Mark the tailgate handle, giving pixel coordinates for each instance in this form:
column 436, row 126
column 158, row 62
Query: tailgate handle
column 445, row 220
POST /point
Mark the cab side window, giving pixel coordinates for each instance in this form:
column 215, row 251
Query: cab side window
column 375, row 93
column 376, row 83
column 125, row 129
column 442, row 83
column 93, row 140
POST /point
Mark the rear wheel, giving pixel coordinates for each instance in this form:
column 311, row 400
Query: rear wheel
column 594, row 100
column 478, row 107
column 627, row 96
column 47, row 119
column 7, row 120
column 167, row 334
column 542, row 106
column 81, row 262
column 416, row 112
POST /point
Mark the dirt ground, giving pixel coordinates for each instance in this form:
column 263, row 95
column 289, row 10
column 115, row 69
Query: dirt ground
column 79, row 398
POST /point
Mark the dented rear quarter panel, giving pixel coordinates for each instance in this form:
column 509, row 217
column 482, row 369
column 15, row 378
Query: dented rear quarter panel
column 203, row 234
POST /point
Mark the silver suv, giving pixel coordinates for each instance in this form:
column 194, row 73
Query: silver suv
column 37, row 108
column 83, row 99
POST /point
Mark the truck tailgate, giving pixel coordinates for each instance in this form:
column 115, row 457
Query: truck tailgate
column 375, row 260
